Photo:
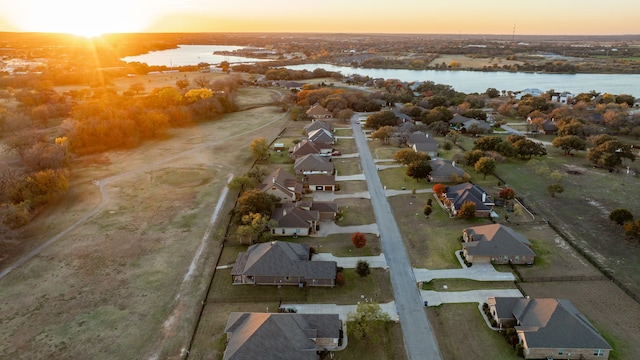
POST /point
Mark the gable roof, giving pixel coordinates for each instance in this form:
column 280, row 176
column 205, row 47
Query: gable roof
column 317, row 124
column 425, row 147
column 445, row 168
column 418, row 137
column 318, row 110
column 553, row 323
column 280, row 258
column 461, row 193
column 313, row 162
column 459, row 119
column 283, row 181
column 278, row 336
column 306, row 147
column 294, row 217
column 321, row 135
column 496, row 240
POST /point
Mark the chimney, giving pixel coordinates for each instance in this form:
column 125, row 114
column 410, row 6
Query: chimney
column 484, row 197
column 273, row 180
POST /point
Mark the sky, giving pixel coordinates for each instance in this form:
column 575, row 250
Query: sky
column 540, row 17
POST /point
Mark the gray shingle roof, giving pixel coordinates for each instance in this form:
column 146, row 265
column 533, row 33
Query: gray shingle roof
column 445, row 168
column 554, row 323
column 280, row 258
column 497, row 240
column 313, row 162
column 461, row 193
column 278, row 336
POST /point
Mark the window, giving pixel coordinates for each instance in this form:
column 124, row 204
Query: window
column 598, row 352
column 561, row 352
column 282, row 231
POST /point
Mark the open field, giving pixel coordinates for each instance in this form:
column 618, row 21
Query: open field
column 341, row 245
column 385, row 346
column 124, row 284
column 474, row 63
column 355, row 211
column 347, row 166
column 463, row 334
column 614, row 314
column 431, row 243
column 581, row 212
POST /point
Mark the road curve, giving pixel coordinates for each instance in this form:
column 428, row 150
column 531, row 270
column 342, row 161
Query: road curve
column 419, row 340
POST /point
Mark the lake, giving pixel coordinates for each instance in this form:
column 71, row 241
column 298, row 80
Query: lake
column 464, row 81
column 478, row 81
column 190, row 55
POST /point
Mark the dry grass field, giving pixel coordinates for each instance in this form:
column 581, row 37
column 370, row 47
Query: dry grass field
column 473, row 63
column 127, row 282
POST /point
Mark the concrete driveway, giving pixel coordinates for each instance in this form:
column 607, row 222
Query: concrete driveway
column 436, row 298
column 341, row 310
column 330, row 227
column 350, row 262
column 479, row 272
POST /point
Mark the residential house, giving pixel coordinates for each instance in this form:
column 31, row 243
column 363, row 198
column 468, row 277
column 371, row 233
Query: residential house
column 318, row 111
column 283, row 336
column 327, row 210
column 445, row 171
column 321, row 182
column 306, row 147
column 548, row 127
column 321, row 136
column 294, row 221
column 550, row 328
column 423, row 142
column 282, row 263
column 317, row 124
column 496, row 244
column 529, row 91
column 457, row 195
column 313, row 164
column 465, row 124
column 564, row 97
column 283, row 185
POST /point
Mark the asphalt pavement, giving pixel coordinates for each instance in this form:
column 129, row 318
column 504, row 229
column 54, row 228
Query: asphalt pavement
column 420, row 342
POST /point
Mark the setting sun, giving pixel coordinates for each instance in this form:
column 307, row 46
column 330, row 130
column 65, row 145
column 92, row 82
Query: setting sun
column 78, row 17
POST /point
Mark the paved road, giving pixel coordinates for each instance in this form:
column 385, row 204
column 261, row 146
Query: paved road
column 419, row 340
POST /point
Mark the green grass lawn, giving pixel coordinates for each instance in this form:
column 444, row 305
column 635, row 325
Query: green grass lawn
column 355, row 212
column 346, row 146
column 343, row 132
column 456, row 324
column 387, row 345
column 396, row 178
column 352, row 186
column 341, row 245
column 465, row 285
column 347, row 166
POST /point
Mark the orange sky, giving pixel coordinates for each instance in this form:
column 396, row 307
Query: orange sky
column 85, row 17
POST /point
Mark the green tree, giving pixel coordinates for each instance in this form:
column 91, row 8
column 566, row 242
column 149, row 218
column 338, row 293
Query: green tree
column 488, row 143
column 255, row 201
column 259, row 148
column 554, row 189
column 471, row 157
column 381, row 118
column 384, row 133
column 527, row 148
column 568, row 143
column 485, row 166
column 609, row 154
column 359, row 240
column 408, row 156
column 136, row 88
column 368, row 320
column 427, row 210
column 420, row 169
column 621, row 216
column 362, row 268
column 241, row 183
column 467, row 210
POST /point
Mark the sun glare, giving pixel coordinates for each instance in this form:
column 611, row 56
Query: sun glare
column 81, row 17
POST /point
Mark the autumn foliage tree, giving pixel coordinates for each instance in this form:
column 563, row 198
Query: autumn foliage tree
column 507, row 193
column 259, row 148
column 359, row 240
column 467, row 210
column 439, row 189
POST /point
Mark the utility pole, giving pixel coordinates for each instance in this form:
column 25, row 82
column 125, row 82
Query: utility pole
column 513, row 37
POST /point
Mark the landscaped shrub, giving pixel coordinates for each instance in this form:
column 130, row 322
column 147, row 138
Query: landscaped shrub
column 340, row 279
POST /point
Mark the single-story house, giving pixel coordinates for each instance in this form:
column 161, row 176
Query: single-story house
column 497, row 244
column 445, row 171
column 457, row 195
column 294, row 221
column 321, row 136
column 285, row 336
column 318, row 111
column 550, row 328
column 321, row 182
column 306, row 147
column 548, row 127
column 317, row 124
column 564, row 97
column 327, row 210
column 283, row 185
column 423, row 142
column 282, row 263
column 465, row 124
column 313, row 164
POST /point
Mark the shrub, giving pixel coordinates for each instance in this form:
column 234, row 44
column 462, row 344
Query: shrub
column 340, row 279
column 621, row 216
column 362, row 268
column 359, row 240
